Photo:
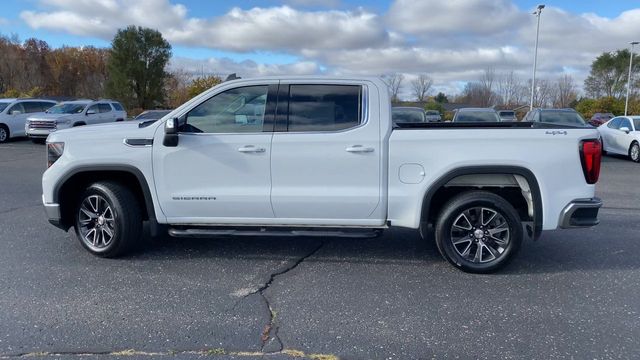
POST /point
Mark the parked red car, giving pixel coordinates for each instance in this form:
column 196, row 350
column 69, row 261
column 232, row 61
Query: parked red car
column 600, row 118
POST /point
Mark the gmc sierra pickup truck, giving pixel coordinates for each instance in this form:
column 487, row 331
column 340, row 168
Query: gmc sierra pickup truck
column 316, row 156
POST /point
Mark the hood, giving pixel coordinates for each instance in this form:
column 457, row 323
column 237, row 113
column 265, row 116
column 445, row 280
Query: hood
column 112, row 130
column 48, row 117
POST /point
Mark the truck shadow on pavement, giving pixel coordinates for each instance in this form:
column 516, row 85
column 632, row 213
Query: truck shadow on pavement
column 593, row 249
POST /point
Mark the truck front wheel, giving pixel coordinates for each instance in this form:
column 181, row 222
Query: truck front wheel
column 108, row 219
column 478, row 232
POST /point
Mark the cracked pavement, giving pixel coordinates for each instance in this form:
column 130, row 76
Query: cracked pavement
column 571, row 294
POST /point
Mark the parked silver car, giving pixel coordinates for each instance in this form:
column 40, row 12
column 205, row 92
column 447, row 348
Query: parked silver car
column 14, row 113
column 433, row 115
column 73, row 113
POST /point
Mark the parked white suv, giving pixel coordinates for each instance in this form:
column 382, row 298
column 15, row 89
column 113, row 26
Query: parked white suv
column 320, row 157
column 14, row 113
column 73, row 113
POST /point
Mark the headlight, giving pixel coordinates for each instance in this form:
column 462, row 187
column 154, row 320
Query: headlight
column 54, row 151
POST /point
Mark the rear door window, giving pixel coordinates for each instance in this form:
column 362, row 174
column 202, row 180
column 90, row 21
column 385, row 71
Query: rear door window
column 320, row 108
column 117, row 106
column 104, row 108
column 32, row 107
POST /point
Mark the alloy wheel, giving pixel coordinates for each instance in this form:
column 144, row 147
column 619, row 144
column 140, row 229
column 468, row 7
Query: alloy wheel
column 635, row 152
column 96, row 222
column 3, row 134
column 480, row 235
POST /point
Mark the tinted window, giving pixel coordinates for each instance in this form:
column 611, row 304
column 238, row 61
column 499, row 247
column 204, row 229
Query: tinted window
column 636, row 124
column 476, row 116
column 566, row 118
column 615, row 123
column 233, row 111
column 44, row 106
column 17, row 107
column 104, row 108
column 117, row 106
column 32, row 106
column 3, row 106
column 324, row 107
column 408, row 116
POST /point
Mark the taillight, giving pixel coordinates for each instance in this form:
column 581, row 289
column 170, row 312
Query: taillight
column 590, row 156
column 54, row 151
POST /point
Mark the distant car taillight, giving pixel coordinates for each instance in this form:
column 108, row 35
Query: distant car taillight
column 590, row 157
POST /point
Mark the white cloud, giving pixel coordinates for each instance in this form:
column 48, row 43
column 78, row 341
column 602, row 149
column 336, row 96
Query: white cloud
column 247, row 68
column 280, row 28
column 453, row 40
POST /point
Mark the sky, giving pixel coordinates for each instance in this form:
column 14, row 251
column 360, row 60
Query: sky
column 452, row 41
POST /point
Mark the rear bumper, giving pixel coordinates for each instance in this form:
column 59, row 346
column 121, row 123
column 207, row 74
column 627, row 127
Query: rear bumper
column 580, row 213
column 53, row 213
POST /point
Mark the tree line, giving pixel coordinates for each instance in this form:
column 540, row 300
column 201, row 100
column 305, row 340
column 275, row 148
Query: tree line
column 133, row 71
column 604, row 88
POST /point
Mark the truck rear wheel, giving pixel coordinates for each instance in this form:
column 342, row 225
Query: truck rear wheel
column 478, row 232
column 108, row 219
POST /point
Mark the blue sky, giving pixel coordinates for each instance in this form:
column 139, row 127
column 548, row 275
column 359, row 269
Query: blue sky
column 453, row 40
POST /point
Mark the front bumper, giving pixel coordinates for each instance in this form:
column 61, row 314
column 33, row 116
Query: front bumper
column 580, row 213
column 39, row 133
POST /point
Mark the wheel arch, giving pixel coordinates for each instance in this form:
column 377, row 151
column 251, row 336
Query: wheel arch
column 79, row 123
column 66, row 192
column 430, row 209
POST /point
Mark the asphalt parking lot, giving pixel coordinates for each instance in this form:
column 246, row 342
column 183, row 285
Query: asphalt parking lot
column 573, row 294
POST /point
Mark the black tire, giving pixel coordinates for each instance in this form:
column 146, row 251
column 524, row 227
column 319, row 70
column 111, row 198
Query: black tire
column 123, row 222
column 506, row 225
column 604, row 152
column 634, row 152
column 4, row 133
column 38, row 141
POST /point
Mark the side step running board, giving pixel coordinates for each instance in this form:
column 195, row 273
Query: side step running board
column 266, row 231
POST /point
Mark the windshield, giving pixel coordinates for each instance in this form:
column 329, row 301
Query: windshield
column 408, row 116
column 566, row 118
column 152, row 115
column 66, row 109
column 477, row 116
column 3, row 106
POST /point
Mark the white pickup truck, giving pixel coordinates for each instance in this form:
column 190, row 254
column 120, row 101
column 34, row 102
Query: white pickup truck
column 320, row 157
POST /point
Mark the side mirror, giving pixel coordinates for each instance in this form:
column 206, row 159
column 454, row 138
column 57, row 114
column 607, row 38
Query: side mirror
column 625, row 129
column 16, row 112
column 171, row 133
column 91, row 112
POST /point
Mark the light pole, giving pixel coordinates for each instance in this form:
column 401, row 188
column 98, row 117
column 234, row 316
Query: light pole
column 535, row 54
column 626, row 104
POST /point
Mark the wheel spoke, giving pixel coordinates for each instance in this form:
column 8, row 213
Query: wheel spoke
column 459, row 226
column 467, row 250
column 462, row 240
column 494, row 253
column 502, row 228
column 482, row 218
column 478, row 256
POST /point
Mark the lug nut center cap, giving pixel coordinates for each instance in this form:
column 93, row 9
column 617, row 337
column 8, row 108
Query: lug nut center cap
column 478, row 234
column 100, row 220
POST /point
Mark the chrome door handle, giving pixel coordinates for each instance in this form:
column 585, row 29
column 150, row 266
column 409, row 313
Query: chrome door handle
column 359, row 149
column 251, row 149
